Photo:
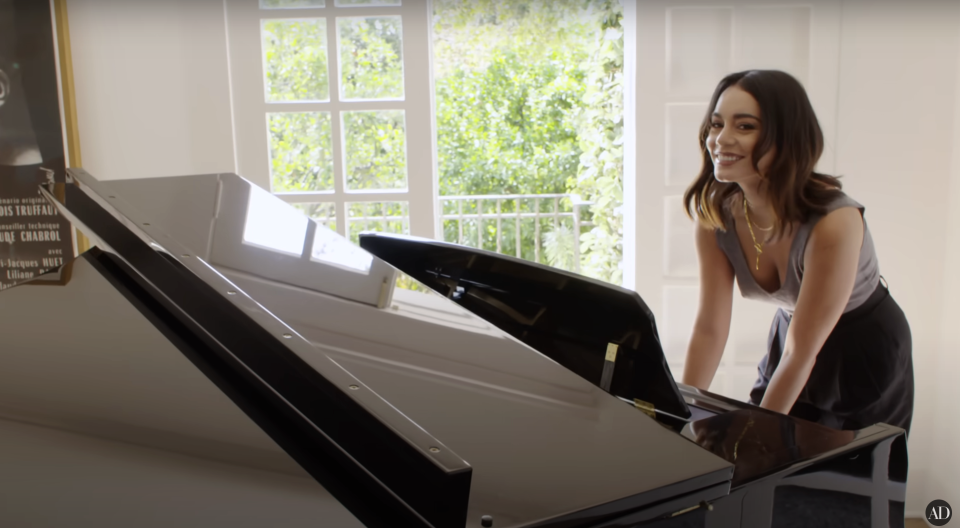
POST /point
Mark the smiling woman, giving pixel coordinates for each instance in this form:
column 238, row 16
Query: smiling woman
column 839, row 350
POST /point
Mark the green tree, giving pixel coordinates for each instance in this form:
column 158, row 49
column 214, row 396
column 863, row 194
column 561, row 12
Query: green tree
column 600, row 129
column 301, row 157
column 295, row 56
column 370, row 58
column 529, row 101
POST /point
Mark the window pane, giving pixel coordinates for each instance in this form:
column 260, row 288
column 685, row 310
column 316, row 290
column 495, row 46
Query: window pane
column 301, row 156
column 325, row 213
column 295, row 60
column 375, row 146
column 288, row 4
column 384, row 217
column 351, row 3
column 371, row 62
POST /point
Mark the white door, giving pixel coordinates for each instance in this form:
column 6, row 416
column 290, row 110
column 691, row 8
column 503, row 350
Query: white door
column 684, row 48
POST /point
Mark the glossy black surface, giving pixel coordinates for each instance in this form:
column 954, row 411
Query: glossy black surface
column 760, row 442
column 569, row 318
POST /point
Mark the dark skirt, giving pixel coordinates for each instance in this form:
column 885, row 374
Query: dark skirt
column 863, row 374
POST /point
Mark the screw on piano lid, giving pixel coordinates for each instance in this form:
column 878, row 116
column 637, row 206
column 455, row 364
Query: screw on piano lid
column 486, row 521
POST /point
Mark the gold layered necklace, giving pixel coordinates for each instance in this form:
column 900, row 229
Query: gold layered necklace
column 757, row 245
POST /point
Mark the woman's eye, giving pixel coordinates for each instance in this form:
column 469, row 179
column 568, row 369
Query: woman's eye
column 747, row 127
column 716, row 125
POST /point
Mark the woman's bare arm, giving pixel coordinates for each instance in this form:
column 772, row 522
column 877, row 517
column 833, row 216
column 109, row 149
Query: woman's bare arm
column 712, row 325
column 830, row 270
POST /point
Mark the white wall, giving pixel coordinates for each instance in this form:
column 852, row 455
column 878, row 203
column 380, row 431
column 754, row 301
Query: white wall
column 942, row 481
column 898, row 91
column 152, row 87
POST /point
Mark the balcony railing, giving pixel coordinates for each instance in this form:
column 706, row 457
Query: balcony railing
column 544, row 228
column 516, row 224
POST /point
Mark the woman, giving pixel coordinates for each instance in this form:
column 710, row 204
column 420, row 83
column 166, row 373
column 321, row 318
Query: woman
column 839, row 350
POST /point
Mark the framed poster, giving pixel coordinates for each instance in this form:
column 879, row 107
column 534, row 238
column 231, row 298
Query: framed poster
column 34, row 238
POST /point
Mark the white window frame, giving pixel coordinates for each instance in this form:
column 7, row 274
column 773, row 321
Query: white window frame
column 249, row 106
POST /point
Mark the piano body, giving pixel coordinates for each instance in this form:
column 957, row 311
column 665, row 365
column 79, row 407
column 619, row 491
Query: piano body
column 219, row 359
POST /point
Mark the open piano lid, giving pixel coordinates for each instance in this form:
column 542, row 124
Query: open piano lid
column 549, row 448
column 604, row 333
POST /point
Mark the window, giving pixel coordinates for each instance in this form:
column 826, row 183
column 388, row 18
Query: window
column 334, row 112
column 332, row 109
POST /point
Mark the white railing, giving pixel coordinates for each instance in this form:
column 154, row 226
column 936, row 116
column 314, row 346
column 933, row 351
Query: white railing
column 527, row 217
column 559, row 207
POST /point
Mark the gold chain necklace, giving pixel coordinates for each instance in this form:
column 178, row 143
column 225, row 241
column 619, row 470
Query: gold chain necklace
column 757, row 245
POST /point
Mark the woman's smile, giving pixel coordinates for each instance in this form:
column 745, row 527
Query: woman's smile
column 725, row 159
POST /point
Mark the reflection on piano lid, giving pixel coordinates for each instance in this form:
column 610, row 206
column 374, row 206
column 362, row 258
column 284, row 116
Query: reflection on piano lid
column 272, row 225
column 241, row 227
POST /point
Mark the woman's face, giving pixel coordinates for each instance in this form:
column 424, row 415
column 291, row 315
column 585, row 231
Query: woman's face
column 734, row 132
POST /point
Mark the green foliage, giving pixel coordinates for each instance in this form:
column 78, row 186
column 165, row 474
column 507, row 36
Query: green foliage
column 508, row 129
column 559, row 244
column 301, row 157
column 295, row 56
column 370, row 58
column 600, row 176
column 375, row 145
column 529, row 101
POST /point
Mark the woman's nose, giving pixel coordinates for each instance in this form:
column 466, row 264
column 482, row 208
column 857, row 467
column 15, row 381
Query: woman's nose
column 724, row 139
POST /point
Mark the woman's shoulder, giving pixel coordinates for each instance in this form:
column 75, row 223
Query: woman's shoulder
column 843, row 199
column 840, row 223
column 837, row 199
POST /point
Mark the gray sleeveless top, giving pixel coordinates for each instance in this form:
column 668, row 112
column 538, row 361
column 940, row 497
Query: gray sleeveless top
column 868, row 270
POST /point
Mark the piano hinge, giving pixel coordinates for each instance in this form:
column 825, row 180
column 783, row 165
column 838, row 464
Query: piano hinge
column 384, row 294
column 646, row 407
column 703, row 504
column 609, row 362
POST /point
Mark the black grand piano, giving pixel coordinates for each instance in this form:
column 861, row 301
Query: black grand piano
column 219, row 359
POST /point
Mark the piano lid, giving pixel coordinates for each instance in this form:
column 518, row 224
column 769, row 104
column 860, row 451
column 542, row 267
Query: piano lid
column 604, row 333
column 542, row 445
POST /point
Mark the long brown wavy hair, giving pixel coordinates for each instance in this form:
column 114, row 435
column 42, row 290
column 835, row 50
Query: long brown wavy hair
column 790, row 126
